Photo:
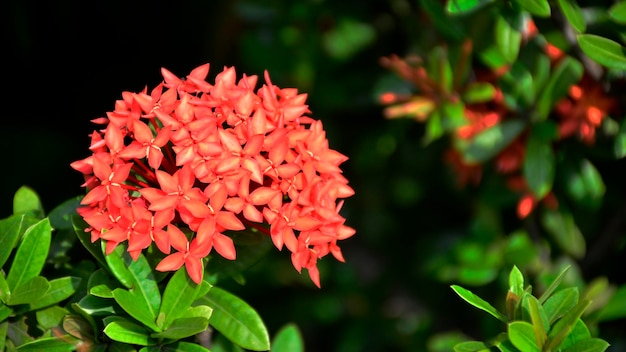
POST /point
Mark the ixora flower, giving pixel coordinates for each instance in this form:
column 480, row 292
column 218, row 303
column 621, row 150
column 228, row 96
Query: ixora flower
column 184, row 164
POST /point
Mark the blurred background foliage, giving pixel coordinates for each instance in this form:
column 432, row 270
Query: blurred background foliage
column 418, row 229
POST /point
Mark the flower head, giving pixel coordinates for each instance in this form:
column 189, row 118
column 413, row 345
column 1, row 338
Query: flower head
column 186, row 163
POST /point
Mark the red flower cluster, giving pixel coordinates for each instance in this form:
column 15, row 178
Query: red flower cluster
column 183, row 164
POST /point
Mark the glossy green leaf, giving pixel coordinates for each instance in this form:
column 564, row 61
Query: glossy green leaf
column 61, row 216
column 508, row 36
column 137, row 305
column 28, row 291
column 236, row 320
column 605, row 51
column 179, row 294
column 589, row 345
column 31, row 254
column 478, row 92
column 553, row 286
column 26, row 201
column 489, row 142
column 137, row 275
column 478, row 302
column 617, row 12
column 615, row 308
column 471, row 346
column 522, row 336
column 561, row 227
column 50, row 344
column 128, row 332
column 10, row 230
column 184, row 346
column 95, row 306
column 100, row 284
column 516, row 281
column 567, row 72
column 564, row 326
column 288, row 339
column 517, row 86
column 579, row 332
column 539, row 166
column 539, row 320
column 539, row 8
column 464, row 6
column 60, row 289
column 560, row 303
column 574, row 14
column 183, row 327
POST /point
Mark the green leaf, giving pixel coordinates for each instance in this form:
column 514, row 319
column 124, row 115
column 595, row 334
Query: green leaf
column 26, row 201
column 51, row 317
column 137, row 275
column 522, row 336
column 489, row 142
column 562, row 228
column 288, row 339
column 59, row 290
column 236, row 320
column 31, row 254
column 128, row 332
column 10, row 230
column 564, row 326
column 589, row 345
column 508, row 35
column 137, row 306
column 539, row 320
column 179, row 294
column 101, row 285
column 617, row 12
column 29, row 291
column 516, row 281
column 50, row 344
column 585, row 185
column 579, row 332
column 183, row 327
column 574, row 15
column 478, row 302
column 4, row 326
column 560, row 303
column 95, row 306
column 539, row 8
column 615, row 308
column 347, row 38
column 471, row 346
column 567, row 72
column 539, row 165
column 605, row 51
column 478, row 92
column 184, row 346
column 464, row 6
column 553, row 286
column 61, row 216
column 78, row 327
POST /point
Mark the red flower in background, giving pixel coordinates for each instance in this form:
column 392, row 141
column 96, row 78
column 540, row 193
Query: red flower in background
column 184, row 163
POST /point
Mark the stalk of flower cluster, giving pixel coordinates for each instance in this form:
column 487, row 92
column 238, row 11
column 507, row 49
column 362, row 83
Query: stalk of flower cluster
column 182, row 165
